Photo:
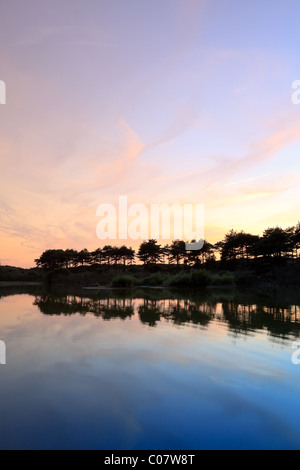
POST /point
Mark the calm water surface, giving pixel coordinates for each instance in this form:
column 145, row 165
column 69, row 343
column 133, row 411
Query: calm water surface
column 148, row 370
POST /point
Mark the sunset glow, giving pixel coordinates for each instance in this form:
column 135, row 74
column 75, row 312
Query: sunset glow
column 171, row 101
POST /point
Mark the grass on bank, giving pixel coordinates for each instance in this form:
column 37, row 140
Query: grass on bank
column 135, row 276
column 193, row 279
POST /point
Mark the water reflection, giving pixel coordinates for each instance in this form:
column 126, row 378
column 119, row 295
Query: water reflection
column 148, row 369
column 241, row 314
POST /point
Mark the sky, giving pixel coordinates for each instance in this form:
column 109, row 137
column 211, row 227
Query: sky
column 162, row 101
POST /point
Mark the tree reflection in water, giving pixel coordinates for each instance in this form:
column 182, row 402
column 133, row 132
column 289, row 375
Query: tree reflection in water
column 243, row 314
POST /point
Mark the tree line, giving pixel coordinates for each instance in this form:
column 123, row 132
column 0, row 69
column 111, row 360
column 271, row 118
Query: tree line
column 274, row 243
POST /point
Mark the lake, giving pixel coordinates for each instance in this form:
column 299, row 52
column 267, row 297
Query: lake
column 149, row 369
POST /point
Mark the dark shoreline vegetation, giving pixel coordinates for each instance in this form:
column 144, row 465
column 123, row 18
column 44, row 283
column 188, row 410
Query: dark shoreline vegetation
column 240, row 260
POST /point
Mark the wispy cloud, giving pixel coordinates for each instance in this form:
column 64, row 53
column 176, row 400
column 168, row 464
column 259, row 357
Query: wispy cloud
column 185, row 118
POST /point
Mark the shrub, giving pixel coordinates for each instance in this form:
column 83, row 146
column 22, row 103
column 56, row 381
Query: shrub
column 226, row 278
column 156, row 279
column 180, row 280
column 201, row 278
column 57, row 274
column 124, row 280
column 195, row 279
column 245, row 278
